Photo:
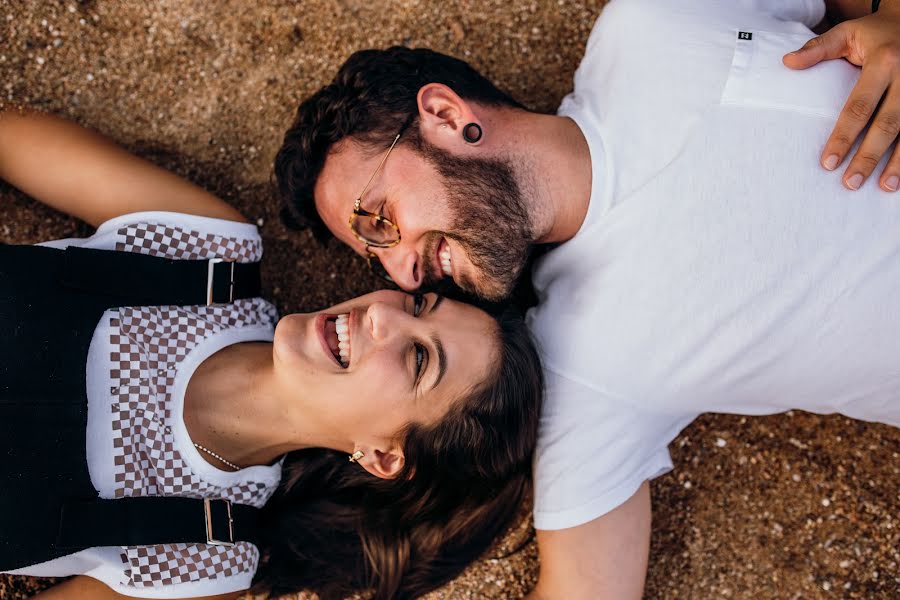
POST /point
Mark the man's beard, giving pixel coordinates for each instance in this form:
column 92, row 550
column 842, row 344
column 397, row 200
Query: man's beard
column 488, row 219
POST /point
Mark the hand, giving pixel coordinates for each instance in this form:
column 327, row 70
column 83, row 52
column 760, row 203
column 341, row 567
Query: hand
column 872, row 42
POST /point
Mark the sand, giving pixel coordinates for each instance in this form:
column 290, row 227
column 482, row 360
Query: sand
column 792, row 506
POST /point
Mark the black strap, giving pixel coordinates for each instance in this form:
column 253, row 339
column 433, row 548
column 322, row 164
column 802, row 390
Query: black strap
column 154, row 520
column 139, row 279
column 154, row 280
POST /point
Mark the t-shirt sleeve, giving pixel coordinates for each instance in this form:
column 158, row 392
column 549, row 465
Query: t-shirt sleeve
column 160, row 571
column 174, row 235
column 593, row 453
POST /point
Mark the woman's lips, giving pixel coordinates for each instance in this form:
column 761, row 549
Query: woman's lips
column 321, row 319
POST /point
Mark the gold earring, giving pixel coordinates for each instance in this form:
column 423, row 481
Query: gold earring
column 356, row 456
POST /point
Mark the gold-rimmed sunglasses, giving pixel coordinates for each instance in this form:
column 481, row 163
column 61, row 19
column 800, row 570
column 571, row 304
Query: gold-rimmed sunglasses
column 374, row 229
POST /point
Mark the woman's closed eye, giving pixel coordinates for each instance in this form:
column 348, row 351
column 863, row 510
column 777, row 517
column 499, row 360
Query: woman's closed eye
column 418, row 304
column 420, row 352
column 421, row 360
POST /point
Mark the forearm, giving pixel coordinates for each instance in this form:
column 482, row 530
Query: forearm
column 84, row 174
column 52, row 159
column 66, row 166
column 604, row 559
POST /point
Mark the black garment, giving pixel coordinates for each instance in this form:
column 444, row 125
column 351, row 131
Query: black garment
column 45, row 333
column 47, row 320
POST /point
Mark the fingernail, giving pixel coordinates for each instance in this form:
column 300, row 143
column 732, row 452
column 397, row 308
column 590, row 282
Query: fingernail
column 892, row 182
column 855, row 181
column 831, row 162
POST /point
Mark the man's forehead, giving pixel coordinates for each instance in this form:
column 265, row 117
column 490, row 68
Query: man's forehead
column 341, row 180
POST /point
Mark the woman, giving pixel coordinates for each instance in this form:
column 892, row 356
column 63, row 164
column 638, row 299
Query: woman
column 135, row 401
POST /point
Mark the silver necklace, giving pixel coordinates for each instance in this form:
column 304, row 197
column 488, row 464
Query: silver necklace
column 214, row 455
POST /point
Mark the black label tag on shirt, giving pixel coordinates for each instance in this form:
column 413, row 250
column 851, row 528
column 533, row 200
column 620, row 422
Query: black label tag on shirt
column 745, row 35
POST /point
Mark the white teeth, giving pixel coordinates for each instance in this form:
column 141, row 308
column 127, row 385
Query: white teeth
column 445, row 262
column 342, row 327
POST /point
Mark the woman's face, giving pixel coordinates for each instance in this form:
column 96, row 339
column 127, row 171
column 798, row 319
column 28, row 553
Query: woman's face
column 369, row 366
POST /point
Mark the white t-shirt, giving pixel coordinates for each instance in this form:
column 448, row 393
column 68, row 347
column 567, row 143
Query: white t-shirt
column 139, row 363
column 720, row 268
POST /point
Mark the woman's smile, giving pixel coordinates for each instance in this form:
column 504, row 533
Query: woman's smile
column 333, row 331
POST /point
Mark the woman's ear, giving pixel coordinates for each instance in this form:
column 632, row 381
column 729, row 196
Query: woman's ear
column 443, row 114
column 384, row 464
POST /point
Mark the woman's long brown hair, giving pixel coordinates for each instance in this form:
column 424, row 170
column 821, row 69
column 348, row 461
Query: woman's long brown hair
column 334, row 528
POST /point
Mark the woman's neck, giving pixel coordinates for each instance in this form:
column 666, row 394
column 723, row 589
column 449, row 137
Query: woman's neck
column 233, row 407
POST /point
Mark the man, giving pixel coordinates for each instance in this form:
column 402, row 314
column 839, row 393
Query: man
column 703, row 263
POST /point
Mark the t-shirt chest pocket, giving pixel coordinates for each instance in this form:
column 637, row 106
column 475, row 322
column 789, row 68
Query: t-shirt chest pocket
column 758, row 78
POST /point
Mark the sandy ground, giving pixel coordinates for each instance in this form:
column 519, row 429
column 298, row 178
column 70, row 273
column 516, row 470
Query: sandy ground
column 793, row 506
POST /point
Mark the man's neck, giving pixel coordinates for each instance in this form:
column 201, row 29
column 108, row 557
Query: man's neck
column 554, row 163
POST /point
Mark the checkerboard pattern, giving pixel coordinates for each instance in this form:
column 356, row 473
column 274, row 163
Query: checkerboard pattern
column 171, row 241
column 147, row 344
column 182, row 563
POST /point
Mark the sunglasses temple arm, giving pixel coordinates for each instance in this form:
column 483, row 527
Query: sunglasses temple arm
column 378, row 168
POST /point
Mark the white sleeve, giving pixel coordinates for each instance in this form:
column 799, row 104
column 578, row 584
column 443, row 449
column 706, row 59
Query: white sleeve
column 163, row 571
column 593, row 453
column 173, row 235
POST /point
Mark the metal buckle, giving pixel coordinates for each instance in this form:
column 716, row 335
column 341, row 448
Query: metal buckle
column 209, row 524
column 210, row 270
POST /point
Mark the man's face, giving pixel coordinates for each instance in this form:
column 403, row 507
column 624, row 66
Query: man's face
column 459, row 218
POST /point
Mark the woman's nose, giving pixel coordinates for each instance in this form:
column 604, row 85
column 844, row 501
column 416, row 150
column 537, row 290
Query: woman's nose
column 401, row 263
column 385, row 321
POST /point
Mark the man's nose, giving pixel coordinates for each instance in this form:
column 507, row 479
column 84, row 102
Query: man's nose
column 402, row 264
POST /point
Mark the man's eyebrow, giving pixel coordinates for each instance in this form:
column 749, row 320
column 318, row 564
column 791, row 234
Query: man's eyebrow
column 442, row 357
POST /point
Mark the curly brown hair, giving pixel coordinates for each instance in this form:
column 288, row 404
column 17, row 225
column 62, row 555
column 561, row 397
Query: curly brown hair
column 372, row 95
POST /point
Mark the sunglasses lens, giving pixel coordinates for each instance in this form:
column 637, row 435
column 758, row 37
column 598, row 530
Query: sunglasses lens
column 377, row 231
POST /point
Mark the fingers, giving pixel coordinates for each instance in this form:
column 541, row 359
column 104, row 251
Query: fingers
column 854, row 116
column 880, row 136
column 834, row 43
column 857, row 112
column 890, row 179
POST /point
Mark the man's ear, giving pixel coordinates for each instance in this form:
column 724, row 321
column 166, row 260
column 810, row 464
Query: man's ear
column 443, row 114
column 384, row 464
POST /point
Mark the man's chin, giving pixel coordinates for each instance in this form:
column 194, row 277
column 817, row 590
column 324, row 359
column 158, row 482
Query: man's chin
column 466, row 287
column 487, row 289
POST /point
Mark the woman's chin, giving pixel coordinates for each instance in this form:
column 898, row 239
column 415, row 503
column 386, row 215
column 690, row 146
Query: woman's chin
column 290, row 336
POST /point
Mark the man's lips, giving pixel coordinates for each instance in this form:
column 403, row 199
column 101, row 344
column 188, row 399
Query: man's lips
column 438, row 268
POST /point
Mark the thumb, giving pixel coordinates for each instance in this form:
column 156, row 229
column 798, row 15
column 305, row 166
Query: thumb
column 832, row 44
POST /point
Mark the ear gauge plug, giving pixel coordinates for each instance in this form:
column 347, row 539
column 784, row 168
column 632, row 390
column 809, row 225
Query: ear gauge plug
column 472, row 133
